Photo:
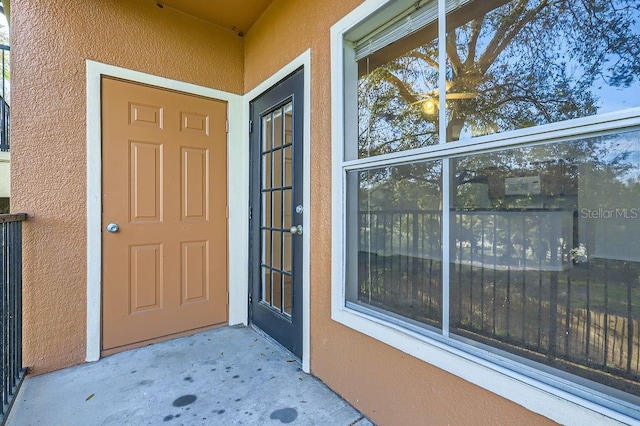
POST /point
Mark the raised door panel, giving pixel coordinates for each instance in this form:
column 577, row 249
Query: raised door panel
column 195, row 272
column 145, row 278
column 148, row 116
column 195, row 184
column 145, row 181
column 194, row 124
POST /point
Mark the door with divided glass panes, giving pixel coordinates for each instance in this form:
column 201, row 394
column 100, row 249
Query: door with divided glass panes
column 276, row 212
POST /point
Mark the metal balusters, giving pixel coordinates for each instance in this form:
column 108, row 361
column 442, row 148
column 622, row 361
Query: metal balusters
column 606, row 314
column 482, row 268
column 460, row 254
column 472, row 240
column 12, row 372
column 534, row 297
column 568, row 316
column 523, row 295
column 541, row 256
column 494, row 302
column 629, row 316
column 509, row 258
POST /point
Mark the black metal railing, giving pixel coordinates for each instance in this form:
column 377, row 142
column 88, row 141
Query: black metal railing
column 5, row 109
column 531, row 282
column 10, row 308
column 400, row 262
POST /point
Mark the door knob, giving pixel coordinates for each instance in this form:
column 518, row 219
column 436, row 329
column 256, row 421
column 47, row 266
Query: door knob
column 296, row 230
column 113, row 228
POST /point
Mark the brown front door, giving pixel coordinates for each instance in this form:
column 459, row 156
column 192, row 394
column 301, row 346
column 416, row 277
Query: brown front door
column 164, row 225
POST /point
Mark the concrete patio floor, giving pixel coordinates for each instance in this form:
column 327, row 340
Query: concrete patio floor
column 227, row 376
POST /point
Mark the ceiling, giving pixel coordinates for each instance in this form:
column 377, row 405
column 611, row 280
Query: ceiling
column 238, row 15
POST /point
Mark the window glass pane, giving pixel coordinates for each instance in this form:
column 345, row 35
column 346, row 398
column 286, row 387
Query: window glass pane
column 267, row 130
column 277, row 168
column 288, row 123
column 277, row 128
column 267, row 178
column 277, row 249
column 288, row 208
column 524, row 64
column 267, row 215
column 266, row 249
column 394, row 231
column 277, row 209
column 395, row 87
column 545, row 251
column 288, row 166
column 266, row 285
column 287, row 287
column 277, row 290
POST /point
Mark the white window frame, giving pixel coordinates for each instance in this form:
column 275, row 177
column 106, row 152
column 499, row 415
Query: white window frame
column 535, row 388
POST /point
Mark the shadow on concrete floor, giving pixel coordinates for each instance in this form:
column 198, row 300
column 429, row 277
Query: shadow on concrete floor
column 227, row 376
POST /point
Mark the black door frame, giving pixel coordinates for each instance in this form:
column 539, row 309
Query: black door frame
column 288, row 331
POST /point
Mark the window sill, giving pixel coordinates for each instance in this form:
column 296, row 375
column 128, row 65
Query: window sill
column 514, row 381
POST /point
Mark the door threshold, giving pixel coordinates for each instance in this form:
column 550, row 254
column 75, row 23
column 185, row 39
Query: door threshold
column 275, row 343
column 112, row 351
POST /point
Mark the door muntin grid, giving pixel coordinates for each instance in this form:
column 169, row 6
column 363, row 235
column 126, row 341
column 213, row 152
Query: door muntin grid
column 276, row 200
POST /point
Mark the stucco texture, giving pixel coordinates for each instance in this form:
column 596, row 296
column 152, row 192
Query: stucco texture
column 390, row 387
column 50, row 42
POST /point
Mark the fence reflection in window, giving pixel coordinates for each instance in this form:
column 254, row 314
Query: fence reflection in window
column 544, row 251
column 545, row 254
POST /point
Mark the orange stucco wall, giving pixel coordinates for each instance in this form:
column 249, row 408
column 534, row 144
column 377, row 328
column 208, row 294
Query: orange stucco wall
column 389, row 386
column 50, row 42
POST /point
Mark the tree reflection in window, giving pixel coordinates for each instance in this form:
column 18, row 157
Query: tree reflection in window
column 510, row 65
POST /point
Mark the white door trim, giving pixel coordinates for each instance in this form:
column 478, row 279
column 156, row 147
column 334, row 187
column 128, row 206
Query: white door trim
column 304, row 61
column 238, row 193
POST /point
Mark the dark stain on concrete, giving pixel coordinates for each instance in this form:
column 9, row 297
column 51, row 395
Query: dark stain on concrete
column 184, row 400
column 285, row 415
column 188, row 379
column 236, row 376
column 220, row 411
column 168, row 418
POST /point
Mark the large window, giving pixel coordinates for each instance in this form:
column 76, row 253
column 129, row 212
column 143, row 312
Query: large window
column 545, row 254
column 491, row 182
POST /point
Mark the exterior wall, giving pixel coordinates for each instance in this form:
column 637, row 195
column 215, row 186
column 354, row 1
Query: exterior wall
column 387, row 385
column 50, row 43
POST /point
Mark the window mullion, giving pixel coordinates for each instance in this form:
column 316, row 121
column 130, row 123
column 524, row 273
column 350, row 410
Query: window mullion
column 446, row 227
column 442, row 71
column 442, row 115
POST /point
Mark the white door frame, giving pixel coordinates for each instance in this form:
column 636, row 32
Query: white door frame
column 304, row 61
column 238, row 191
column 238, row 194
